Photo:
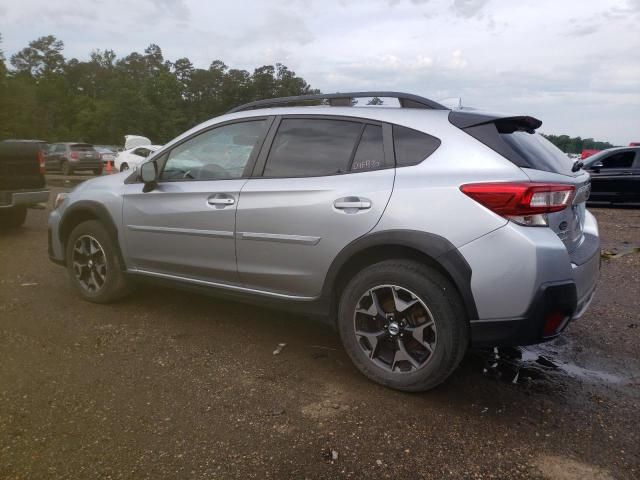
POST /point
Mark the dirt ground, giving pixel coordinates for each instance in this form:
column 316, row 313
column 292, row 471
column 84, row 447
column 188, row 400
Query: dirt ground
column 173, row 385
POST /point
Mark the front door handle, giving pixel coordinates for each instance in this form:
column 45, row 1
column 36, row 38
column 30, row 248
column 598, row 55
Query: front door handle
column 352, row 203
column 221, row 200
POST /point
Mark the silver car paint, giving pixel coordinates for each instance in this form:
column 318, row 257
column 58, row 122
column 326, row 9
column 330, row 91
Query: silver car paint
column 508, row 261
column 302, row 209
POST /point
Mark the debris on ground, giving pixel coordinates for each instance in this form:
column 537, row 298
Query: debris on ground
column 279, row 348
column 28, row 284
column 614, row 253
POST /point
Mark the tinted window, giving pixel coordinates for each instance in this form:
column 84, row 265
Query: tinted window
column 310, row 148
column 370, row 153
column 538, row 152
column 619, row 160
column 81, row 148
column 221, row 153
column 411, row 146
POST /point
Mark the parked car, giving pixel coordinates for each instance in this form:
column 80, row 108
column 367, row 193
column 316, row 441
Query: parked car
column 134, row 157
column 22, row 182
column 70, row 157
column 420, row 230
column 615, row 176
column 107, row 154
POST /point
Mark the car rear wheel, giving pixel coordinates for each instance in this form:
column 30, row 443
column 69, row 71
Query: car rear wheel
column 124, row 167
column 94, row 265
column 66, row 168
column 13, row 217
column 403, row 325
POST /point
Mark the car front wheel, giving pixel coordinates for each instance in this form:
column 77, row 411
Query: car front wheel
column 403, row 324
column 94, row 265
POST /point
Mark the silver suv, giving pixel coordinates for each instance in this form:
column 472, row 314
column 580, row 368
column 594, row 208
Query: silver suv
column 420, row 230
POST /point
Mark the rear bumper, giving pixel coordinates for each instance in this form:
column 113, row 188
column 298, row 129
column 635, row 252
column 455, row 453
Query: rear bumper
column 27, row 198
column 564, row 286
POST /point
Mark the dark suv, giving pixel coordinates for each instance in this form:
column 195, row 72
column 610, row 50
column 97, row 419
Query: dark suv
column 69, row 157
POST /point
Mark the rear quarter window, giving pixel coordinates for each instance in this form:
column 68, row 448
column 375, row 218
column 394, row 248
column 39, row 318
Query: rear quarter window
column 411, row 146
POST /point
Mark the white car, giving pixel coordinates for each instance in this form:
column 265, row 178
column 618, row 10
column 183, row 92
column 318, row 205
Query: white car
column 133, row 157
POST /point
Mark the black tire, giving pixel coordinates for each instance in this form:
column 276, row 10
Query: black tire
column 66, row 168
column 97, row 171
column 444, row 305
column 115, row 285
column 13, row 217
column 124, row 167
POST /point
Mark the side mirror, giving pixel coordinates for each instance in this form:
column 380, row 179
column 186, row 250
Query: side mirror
column 149, row 175
column 596, row 167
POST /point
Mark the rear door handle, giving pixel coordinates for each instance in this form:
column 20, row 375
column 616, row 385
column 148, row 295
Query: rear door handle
column 221, row 199
column 352, row 203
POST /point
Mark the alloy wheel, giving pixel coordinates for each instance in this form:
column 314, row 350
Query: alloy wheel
column 395, row 328
column 89, row 263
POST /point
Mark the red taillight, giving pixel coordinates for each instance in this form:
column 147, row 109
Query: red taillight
column 74, row 155
column 521, row 199
column 43, row 168
column 553, row 323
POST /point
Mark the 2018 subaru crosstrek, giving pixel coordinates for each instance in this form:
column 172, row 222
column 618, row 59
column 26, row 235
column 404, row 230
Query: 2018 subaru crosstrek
column 421, row 230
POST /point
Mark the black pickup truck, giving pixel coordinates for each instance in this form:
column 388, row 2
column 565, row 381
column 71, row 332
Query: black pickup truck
column 22, row 183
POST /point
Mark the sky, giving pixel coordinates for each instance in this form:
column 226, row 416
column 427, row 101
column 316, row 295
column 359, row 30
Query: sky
column 574, row 64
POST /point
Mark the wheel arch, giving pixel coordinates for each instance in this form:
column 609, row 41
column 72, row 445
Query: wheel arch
column 423, row 247
column 83, row 211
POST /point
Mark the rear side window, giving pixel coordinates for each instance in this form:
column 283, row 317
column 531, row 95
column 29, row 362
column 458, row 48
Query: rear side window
column 370, row 152
column 312, row 147
column 411, row 146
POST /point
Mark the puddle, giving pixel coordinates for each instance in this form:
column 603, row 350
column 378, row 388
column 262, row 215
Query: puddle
column 543, row 366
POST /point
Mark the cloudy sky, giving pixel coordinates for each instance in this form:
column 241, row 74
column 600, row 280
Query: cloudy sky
column 575, row 64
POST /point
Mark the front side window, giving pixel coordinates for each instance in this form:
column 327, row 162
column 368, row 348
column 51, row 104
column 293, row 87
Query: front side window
column 619, row 160
column 217, row 154
column 312, row 148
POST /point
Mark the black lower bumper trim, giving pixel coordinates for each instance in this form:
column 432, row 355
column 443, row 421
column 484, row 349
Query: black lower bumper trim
column 528, row 329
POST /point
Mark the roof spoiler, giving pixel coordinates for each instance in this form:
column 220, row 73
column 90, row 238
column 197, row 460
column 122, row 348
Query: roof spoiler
column 504, row 124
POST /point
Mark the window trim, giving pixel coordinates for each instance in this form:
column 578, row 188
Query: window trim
column 163, row 156
column 389, row 159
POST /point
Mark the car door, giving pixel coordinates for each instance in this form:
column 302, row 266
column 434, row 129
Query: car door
column 184, row 228
column 324, row 182
column 611, row 177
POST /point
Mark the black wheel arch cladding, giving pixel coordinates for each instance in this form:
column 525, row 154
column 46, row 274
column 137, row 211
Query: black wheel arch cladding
column 439, row 250
column 89, row 210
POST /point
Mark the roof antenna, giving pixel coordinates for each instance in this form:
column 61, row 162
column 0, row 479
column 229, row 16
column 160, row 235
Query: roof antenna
column 454, row 103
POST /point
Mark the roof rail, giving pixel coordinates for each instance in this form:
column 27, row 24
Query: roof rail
column 406, row 100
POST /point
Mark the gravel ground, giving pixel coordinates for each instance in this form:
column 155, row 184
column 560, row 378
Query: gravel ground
column 173, row 385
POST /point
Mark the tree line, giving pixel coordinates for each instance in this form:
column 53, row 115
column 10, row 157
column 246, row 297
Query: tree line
column 43, row 95
column 46, row 96
column 576, row 144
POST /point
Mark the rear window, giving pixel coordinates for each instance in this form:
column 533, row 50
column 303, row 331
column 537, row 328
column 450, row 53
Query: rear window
column 538, row 152
column 370, row 152
column 81, row 148
column 411, row 146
